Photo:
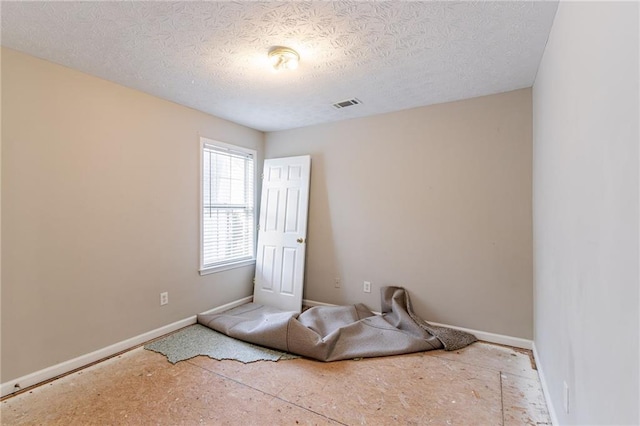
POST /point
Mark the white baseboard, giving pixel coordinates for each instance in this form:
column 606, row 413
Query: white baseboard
column 83, row 360
column 307, row 302
column 545, row 387
column 228, row 306
column 485, row 336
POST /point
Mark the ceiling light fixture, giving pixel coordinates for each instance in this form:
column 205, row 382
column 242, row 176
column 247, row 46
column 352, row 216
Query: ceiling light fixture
column 283, row 58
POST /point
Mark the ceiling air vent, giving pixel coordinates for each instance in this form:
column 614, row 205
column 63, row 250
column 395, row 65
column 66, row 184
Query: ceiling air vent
column 347, row 103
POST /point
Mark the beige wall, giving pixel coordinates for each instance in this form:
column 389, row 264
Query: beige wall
column 100, row 199
column 436, row 199
column 585, row 105
column 100, row 213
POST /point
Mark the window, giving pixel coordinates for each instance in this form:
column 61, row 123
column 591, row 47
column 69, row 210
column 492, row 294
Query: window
column 228, row 225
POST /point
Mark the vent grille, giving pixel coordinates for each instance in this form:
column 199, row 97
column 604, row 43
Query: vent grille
column 347, row 103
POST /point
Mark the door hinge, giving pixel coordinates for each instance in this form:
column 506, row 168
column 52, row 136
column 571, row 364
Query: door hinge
column 258, row 227
column 262, row 176
column 254, row 280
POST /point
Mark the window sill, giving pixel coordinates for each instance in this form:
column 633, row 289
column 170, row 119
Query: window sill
column 227, row 266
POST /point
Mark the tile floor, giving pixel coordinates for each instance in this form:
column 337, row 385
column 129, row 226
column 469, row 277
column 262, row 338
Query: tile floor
column 483, row 384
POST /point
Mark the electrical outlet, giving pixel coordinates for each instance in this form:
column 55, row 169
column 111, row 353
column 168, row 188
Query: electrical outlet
column 566, row 397
column 337, row 282
column 367, row 287
column 164, row 298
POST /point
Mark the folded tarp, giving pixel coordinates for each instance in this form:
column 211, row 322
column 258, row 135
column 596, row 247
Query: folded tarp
column 331, row 333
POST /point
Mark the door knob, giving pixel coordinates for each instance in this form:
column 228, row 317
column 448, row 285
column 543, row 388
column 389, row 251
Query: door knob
column 300, row 240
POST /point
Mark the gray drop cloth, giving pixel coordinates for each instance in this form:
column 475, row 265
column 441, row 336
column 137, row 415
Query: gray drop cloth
column 340, row 332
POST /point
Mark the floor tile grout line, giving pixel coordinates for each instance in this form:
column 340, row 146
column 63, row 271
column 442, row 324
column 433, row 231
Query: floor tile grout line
column 501, row 398
column 266, row 393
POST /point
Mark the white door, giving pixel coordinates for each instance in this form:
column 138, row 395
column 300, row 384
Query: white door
column 282, row 237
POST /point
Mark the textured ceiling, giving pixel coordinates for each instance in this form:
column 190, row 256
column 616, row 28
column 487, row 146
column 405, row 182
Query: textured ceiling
column 212, row 56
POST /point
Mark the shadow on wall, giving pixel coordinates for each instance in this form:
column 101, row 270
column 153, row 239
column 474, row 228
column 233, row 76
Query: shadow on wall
column 321, row 276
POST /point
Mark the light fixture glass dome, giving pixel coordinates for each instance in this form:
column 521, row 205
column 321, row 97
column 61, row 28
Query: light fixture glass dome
column 283, row 58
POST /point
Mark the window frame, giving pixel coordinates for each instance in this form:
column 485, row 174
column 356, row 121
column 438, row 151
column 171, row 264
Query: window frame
column 205, row 270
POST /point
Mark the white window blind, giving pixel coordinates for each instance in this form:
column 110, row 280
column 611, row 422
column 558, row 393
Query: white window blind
column 228, row 225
